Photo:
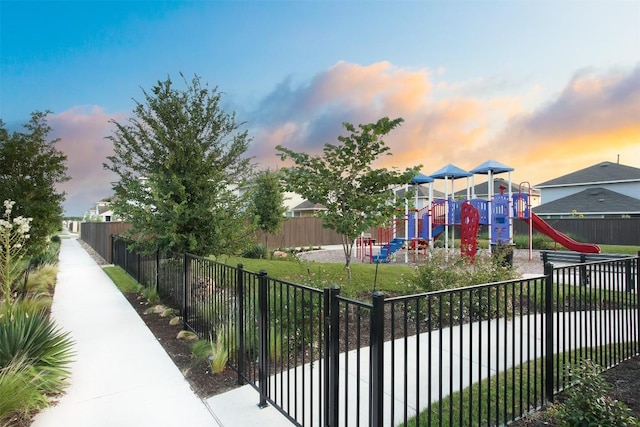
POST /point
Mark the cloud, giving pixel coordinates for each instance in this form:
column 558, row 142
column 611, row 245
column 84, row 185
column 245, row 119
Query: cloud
column 82, row 131
column 593, row 118
column 439, row 122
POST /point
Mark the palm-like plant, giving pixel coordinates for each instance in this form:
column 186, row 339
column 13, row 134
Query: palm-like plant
column 30, row 336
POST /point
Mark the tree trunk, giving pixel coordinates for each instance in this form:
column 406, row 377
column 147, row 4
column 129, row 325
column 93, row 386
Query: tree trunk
column 347, row 246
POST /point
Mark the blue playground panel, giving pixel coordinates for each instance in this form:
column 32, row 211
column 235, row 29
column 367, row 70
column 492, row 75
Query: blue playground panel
column 500, row 219
column 387, row 250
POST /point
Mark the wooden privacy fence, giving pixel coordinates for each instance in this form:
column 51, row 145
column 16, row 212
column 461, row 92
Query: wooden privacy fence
column 98, row 235
column 308, row 231
column 301, row 232
column 608, row 231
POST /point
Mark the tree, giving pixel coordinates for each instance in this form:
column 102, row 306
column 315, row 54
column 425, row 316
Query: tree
column 357, row 197
column 181, row 168
column 30, row 169
column 267, row 207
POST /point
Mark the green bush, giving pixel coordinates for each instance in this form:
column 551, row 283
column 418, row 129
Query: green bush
column 256, row 251
column 151, row 295
column 215, row 351
column 538, row 242
column 55, row 239
column 587, row 402
column 19, row 390
column 34, row 350
column 449, row 272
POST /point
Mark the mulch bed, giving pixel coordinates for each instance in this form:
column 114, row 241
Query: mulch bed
column 196, row 371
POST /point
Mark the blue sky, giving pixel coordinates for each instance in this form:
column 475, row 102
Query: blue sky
column 546, row 87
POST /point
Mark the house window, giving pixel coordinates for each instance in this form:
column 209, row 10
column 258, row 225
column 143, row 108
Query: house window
column 107, row 218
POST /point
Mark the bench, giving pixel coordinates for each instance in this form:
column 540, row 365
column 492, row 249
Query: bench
column 568, row 257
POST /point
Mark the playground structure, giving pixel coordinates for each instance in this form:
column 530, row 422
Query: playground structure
column 418, row 229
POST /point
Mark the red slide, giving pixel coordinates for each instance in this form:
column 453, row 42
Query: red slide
column 541, row 226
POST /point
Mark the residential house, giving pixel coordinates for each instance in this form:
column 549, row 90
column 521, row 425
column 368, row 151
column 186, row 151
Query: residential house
column 603, row 190
column 101, row 212
column 481, row 191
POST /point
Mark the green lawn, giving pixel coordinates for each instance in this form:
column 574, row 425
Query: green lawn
column 393, row 279
column 121, row 278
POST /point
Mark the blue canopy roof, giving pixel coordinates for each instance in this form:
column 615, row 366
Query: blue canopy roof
column 421, row 179
column 491, row 166
column 450, row 171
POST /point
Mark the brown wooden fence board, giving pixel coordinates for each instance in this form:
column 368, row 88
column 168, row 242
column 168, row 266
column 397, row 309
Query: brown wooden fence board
column 98, row 235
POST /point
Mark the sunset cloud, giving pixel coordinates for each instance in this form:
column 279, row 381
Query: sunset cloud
column 594, row 118
column 437, row 127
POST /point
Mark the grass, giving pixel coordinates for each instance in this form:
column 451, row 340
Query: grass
column 620, row 249
column 393, row 279
column 498, row 399
column 123, row 281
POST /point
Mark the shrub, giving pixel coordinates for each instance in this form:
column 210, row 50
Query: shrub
column 30, row 336
column 257, row 251
column 19, row 390
column 151, row 295
column 587, row 403
column 449, row 272
column 42, row 281
column 55, row 239
column 216, row 351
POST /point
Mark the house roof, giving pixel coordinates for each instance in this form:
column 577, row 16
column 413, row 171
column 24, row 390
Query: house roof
column 309, row 206
column 483, row 188
column 591, row 201
column 605, row 172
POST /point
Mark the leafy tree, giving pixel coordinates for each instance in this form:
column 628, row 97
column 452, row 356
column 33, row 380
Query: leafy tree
column 356, row 195
column 267, row 207
column 181, row 165
column 30, row 169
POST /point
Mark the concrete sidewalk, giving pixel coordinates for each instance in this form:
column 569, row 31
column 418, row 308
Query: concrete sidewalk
column 120, row 376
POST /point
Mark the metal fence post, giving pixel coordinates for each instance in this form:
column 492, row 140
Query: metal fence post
column 377, row 360
column 240, row 323
column 263, row 326
column 157, row 270
column 332, row 356
column 548, row 332
column 584, row 277
column 186, row 286
column 637, row 285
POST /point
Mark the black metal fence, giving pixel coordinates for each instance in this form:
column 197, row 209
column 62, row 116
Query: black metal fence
column 482, row 355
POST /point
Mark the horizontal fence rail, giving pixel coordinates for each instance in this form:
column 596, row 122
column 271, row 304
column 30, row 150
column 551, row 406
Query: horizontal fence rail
column 475, row 356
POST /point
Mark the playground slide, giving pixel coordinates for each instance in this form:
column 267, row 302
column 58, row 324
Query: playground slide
column 437, row 231
column 543, row 227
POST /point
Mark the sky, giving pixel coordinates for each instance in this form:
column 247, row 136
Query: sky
column 545, row 87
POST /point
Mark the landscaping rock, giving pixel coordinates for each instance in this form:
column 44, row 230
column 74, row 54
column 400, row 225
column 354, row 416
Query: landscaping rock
column 187, row 336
